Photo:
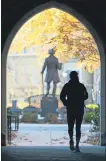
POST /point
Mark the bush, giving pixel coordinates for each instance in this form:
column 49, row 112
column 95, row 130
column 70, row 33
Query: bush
column 8, row 111
column 51, row 118
column 34, row 117
column 29, row 117
column 88, row 117
column 96, row 120
column 93, row 117
column 92, row 106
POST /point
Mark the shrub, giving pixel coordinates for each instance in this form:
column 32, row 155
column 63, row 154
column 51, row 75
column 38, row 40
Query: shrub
column 91, row 106
column 51, row 118
column 29, row 117
column 8, row 111
column 34, row 117
column 88, row 117
column 96, row 120
column 93, row 117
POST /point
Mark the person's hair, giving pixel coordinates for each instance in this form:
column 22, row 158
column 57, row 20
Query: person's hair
column 74, row 75
column 51, row 51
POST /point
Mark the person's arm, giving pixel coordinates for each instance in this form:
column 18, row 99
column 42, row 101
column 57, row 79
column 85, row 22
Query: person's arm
column 85, row 93
column 44, row 66
column 63, row 96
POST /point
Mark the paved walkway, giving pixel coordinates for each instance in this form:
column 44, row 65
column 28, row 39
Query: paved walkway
column 47, row 138
column 94, row 153
column 50, row 135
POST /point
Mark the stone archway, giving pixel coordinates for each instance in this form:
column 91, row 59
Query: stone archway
column 95, row 36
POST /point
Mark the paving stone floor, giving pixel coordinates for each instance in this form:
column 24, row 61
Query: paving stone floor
column 61, row 153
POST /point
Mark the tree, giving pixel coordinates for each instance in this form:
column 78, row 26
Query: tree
column 56, row 28
column 29, row 101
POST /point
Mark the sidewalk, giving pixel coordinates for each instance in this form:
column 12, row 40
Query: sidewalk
column 49, row 134
column 47, row 138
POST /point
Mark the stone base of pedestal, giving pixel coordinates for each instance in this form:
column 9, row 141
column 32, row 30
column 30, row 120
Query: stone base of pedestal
column 48, row 105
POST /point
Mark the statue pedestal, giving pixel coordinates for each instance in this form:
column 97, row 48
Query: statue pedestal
column 48, row 105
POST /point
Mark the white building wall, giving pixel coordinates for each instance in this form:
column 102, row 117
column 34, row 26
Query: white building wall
column 27, row 74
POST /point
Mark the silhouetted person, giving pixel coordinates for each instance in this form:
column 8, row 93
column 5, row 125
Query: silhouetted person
column 73, row 96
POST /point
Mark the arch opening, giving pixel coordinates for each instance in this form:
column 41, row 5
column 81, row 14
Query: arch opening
column 71, row 12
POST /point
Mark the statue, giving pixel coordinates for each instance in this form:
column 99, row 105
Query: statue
column 52, row 65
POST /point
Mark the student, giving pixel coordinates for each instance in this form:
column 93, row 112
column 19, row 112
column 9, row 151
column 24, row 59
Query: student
column 73, row 96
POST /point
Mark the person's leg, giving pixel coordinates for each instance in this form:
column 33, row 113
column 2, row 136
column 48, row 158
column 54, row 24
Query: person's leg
column 70, row 121
column 48, row 88
column 54, row 88
column 79, row 119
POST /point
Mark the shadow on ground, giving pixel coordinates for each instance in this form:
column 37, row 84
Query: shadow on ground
column 94, row 153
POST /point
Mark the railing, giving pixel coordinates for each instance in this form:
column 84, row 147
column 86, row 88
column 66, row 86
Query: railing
column 12, row 119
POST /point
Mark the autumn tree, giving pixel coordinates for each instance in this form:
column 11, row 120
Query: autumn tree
column 55, row 28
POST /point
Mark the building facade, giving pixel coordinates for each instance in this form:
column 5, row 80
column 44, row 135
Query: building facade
column 24, row 79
